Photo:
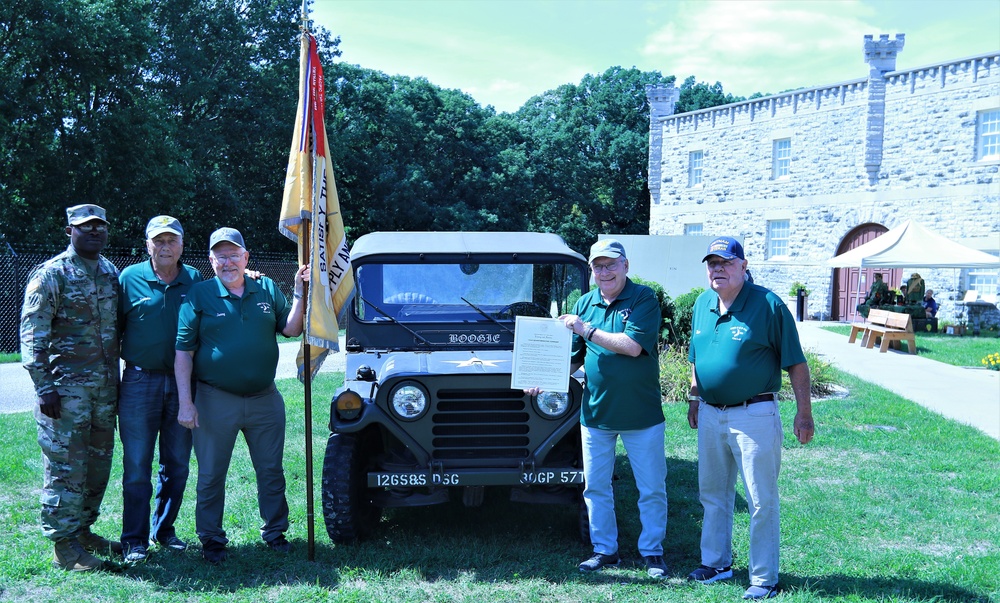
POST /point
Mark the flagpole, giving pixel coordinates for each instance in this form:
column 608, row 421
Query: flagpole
column 307, row 372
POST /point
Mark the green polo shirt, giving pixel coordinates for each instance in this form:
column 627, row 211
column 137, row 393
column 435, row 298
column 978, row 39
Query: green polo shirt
column 233, row 338
column 147, row 309
column 741, row 354
column 623, row 393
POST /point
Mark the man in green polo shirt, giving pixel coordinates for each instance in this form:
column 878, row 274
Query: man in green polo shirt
column 152, row 293
column 226, row 338
column 616, row 327
column 742, row 336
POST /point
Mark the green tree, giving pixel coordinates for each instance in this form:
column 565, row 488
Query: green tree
column 73, row 113
column 412, row 156
column 588, row 145
column 695, row 96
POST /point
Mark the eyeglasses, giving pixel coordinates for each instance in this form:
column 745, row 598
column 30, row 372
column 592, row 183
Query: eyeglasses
column 92, row 227
column 222, row 259
column 716, row 264
column 609, row 267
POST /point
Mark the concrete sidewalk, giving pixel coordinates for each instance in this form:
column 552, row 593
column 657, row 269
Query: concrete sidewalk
column 968, row 395
column 17, row 394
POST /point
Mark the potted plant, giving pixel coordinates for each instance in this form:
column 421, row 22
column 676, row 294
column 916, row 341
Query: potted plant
column 793, row 292
column 793, row 295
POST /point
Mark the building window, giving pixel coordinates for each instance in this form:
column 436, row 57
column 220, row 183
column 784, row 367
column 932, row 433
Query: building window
column 692, row 230
column 983, row 281
column 988, row 133
column 777, row 238
column 695, row 159
column 782, row 158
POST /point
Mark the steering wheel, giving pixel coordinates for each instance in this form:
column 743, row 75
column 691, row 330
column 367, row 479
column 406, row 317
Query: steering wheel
column 524, row 308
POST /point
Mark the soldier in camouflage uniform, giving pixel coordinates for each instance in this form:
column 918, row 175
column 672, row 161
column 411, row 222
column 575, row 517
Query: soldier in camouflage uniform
column 69, row 345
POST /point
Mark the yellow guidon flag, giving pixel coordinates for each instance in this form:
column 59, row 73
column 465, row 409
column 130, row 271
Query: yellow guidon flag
column 311, row 198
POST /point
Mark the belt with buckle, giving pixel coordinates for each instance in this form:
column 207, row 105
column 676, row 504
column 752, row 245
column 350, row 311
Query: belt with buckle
column 748, row 401
column 134, row 367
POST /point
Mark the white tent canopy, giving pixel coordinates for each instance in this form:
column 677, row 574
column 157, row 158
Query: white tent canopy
column 912, row 245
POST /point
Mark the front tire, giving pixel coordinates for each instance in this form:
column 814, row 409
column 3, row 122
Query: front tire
column 348, row 510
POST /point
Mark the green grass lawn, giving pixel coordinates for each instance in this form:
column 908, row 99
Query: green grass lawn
column 890, row 503
column 958, row 351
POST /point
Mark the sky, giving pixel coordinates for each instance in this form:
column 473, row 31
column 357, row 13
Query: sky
column 503, row 52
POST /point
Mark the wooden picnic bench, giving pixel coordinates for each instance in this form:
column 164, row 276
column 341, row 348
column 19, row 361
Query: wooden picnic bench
column 875, row 317
column 898, row 327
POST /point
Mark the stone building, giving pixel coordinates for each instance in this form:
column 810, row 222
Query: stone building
column 808, row 174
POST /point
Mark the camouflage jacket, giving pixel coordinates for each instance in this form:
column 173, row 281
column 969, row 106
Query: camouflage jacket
column 69, row 323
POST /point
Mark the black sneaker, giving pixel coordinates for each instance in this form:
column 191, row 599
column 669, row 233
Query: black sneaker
column 279, row 544
column 656, row 567
column 761, row 592
column 600, row 561
column 173, row 543
column 136, row 553
column 214, row 552
column 707, row 575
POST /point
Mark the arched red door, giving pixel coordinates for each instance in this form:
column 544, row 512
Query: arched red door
column 847, row 290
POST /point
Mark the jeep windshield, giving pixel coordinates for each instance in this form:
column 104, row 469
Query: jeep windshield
column 463, row 292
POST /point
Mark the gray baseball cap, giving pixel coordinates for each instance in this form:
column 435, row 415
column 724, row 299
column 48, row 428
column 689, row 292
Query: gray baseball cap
column 224, row 234
column 606, row 248
column 162, row 224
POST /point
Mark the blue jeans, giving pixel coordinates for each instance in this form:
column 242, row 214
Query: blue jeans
column 649, row 466
column 741, row 440
column 147, row 408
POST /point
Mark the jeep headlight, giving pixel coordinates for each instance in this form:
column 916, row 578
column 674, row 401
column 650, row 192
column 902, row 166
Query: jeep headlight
column 408, row 401
column 552, row 405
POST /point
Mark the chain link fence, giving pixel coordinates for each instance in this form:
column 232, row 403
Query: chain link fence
column 16, row 266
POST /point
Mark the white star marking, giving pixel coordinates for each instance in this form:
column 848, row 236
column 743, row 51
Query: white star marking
column 475, row 361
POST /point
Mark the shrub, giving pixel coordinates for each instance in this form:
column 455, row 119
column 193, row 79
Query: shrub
column 666, row 309
column 680, row 327
column 820, row 378
column 675, row 374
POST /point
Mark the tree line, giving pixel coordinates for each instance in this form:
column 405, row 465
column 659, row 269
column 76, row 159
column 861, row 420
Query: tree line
column 186, row 107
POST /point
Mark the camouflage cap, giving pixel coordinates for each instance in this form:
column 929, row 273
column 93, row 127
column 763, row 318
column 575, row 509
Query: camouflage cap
column 79, row 214
column 162, row 224
column 230, row 235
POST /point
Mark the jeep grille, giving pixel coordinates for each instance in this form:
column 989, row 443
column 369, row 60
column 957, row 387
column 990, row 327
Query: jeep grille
column 480, row 424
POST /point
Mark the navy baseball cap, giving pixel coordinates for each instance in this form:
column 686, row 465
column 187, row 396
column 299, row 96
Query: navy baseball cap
column 726, row 248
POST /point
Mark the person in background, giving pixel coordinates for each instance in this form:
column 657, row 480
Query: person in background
column 152, row 293
column 742, row 336
column 69, row 345
column 930, row 305
column 226, row 340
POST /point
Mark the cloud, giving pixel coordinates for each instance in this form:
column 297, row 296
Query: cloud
column 765, row 46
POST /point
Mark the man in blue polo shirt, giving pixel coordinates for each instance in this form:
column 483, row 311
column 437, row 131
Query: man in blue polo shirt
column 742, row 336
column 226, row 339
column 152, row 293
column 616, row 327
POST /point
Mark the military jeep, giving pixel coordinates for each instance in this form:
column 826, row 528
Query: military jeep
column 427, row 411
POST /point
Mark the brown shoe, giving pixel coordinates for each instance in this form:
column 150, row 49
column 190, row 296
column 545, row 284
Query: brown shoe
column 92, row 543
column 70, row 556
